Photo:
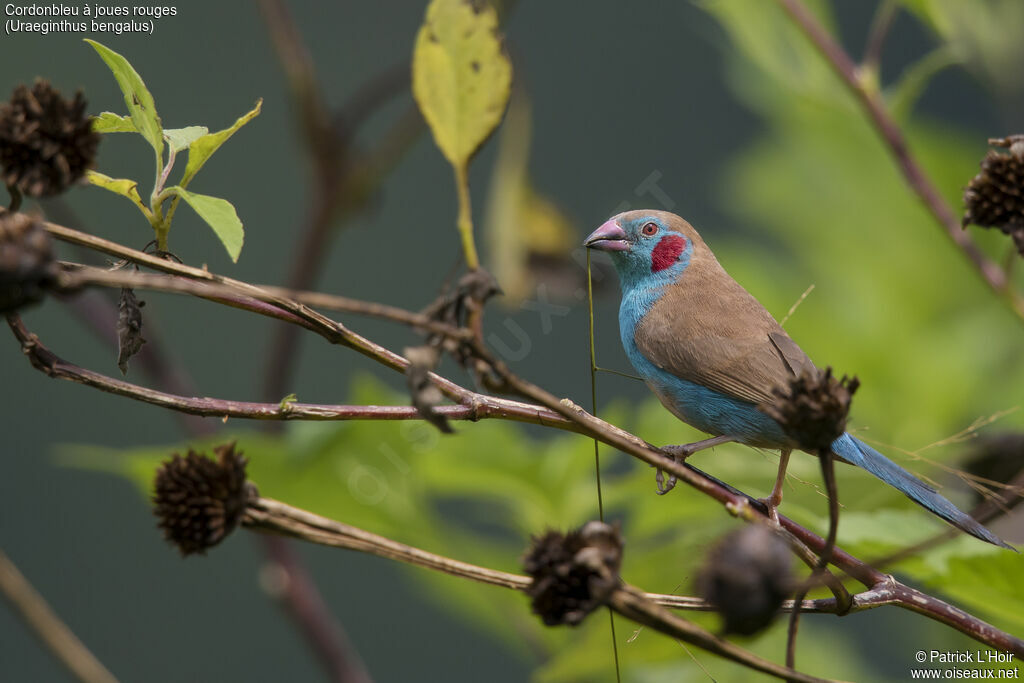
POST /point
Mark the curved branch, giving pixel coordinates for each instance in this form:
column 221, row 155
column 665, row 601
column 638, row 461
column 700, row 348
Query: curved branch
column 477, row 406
column 268, row 515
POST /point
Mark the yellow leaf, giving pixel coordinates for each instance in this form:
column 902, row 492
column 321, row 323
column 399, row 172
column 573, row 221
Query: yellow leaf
column 546, row 228
column 460, row 75
column 122, row 186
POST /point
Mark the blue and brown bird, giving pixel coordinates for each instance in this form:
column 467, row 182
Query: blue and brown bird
column 712, row 353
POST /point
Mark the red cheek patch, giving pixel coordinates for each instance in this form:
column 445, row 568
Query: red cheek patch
column 667, row 252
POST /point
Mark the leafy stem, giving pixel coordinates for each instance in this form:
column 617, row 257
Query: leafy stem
column 465, row 220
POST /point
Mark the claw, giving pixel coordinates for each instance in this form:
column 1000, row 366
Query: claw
column 677, row 453
column 663, row 487
column 680, row 453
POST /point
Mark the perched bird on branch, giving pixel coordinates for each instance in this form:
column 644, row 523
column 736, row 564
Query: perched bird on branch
column 712, row 354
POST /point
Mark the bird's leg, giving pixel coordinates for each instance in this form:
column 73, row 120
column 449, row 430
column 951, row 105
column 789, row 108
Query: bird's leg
column 775, row 499
column 680, row 453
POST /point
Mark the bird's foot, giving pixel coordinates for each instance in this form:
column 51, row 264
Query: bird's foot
column 771, row 504
column 679, row 453
column 771, row 509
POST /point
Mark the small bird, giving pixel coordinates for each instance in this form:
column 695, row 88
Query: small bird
column 712, row 354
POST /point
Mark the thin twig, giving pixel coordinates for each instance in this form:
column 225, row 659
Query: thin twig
column 885, row 16
column 796, row 305
column 370, row 96
column 77, row 275
column 47, row 626
column 843, row 600
column 296, row 590
column 634, row 605
column 912, row 172
column 265, row 514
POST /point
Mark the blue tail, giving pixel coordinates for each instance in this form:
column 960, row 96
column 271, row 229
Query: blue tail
column 860, row 454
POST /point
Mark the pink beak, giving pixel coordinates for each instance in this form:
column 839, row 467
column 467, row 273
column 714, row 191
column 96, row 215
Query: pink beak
column 609, row 237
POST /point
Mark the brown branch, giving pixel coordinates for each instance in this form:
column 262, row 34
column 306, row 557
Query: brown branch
column 47, row 626
column 885, row 16
column 634, row 605
column 297, row 591
column 820, row 569
column 269, row 515
column 265, row 514
column 873, row 104
column 476, row 407
column 77, row 275
column 736, row 501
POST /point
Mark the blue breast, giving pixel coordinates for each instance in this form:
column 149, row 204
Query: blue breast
column 706, row 409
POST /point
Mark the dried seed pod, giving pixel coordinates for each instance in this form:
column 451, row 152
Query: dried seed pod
column 198, row 500
column 46, row 142
column 27, row 268
column 746, row 577
column 995, row 197
column 813, row 409
column 573, row 573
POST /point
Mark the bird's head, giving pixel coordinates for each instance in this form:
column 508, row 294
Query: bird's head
column 647, row 247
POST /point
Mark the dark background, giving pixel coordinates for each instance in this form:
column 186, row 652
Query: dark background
column 619, row 90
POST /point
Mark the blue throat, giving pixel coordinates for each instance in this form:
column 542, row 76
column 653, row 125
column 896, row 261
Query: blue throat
column 706, row 409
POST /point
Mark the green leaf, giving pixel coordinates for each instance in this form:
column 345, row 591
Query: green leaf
column 460, row 75
column 122, row 186
column 203, row 147
column 140, row 103
column 220, row 215
column 180, row 138
column 109, row 122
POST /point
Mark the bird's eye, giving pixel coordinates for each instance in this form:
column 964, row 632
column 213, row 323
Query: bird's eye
column 649, row 229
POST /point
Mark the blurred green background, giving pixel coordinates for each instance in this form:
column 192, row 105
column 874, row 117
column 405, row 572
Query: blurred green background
column 716, row 110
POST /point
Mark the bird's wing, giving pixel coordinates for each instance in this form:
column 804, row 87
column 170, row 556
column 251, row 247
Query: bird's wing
column 719, row 337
